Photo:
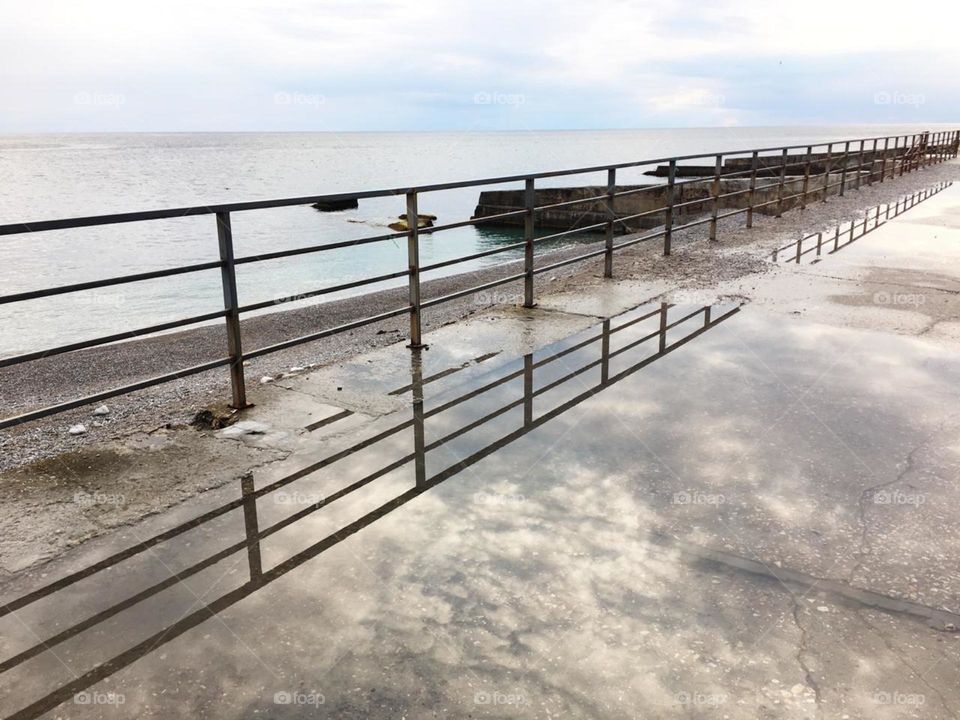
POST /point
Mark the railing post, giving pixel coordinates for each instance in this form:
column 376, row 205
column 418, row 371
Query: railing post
column 783, row 178
column 860, row 164
column 715, row 192
column 753, row 187
column 611, row 189
column 843, row 170
column 806, row 178
column 883, row 161
column 413, row 266
column 873, row 161
column 826, row 172
column 903, row 156
column 799, row 248
column 530, row 202
column 836, row 239
column 668, row 215
column 819, row 242
column 228, row 279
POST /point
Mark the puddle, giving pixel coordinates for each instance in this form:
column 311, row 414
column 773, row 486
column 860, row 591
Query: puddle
column 495, row 549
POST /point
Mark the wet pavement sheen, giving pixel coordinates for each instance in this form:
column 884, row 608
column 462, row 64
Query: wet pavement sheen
column 681, row 511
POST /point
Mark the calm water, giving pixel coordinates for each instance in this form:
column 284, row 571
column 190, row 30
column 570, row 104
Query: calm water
column 52, row 176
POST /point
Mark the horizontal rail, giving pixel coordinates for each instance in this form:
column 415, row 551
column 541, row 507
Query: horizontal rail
column 107, row 394
column 107, row 339
column 94, row 284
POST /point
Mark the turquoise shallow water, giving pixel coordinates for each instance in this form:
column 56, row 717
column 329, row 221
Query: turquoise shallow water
column 52, row 176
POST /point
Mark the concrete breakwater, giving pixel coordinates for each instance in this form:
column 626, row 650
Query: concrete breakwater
column 652, row 199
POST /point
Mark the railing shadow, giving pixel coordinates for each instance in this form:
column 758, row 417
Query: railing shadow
column 682, row 329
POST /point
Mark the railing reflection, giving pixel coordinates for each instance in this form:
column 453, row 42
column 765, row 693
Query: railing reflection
column 536, row 411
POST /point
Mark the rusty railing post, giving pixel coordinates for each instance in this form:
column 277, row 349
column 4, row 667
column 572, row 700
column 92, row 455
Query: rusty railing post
column 826, row 172
column 783, row 177
column 860, row 164
column 806, row 178
column 529, row 223
column 715, row 192
column 413, row 266
column 608, row 255
column 753, row 188
column 883, row 161
column 231, row 304
column 843, row 170
column 668, row 214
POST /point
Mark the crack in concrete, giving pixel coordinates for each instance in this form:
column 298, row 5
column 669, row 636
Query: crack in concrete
column 862, row 549
column 802, row 648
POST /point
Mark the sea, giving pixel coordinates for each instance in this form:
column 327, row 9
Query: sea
column 54, row 176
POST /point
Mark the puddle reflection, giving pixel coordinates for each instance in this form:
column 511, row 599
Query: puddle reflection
column 446, row 433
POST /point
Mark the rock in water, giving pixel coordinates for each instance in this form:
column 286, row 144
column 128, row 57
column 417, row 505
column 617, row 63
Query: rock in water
column 78, row 429
column 335, row 205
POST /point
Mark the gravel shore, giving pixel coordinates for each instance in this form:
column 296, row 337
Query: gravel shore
column 693, row 262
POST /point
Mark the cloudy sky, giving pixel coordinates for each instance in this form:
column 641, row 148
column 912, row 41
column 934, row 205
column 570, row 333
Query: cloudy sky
column 86, row 65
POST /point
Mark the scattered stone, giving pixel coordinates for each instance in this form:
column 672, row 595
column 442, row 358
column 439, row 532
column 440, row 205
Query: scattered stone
column 266, row 379
column 297, row 368
column 215, row 417
column 78, row 429
column 101, row 410
column 822, row 608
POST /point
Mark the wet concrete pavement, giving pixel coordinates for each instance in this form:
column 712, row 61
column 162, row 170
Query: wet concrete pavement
column 606, row 507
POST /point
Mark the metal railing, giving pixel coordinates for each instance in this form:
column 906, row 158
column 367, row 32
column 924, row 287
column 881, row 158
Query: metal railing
column 854, row 229
column 897, row 155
